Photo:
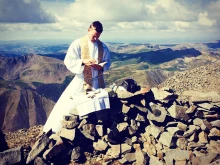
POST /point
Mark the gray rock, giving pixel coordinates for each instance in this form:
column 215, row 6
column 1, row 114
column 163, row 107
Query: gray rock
column 113, row 152
column 175, row 154
column 125, row 148
column 39, row 146
column 131, row 131
column 140, row 118
column 203, row 137
column 197, row 121
column 122, row 126
column 134, row 125
column 206, row 126
column 69, row 124
column 54, row 151
column 125, row 109
column 149, row 148
column 158, row 113
column 82, row 123
column 76, row 154
column 182, row 143
column 166, row 139
column 141, row 108
column 57, row 138
column 207, row 158
column 154, row 130
column 122, row 160
column 191, row 109
column 128, row 141
column 193, row 137
column 71, row 117
column 130, row 157
column 214, row 132
column 141, row 157
column 182, row 126
column 196, row 96
column 88, row 131
column 159, row 146
column 100, row 145
column 100, row 130
column 213, row 146
column 162, row 94
column 124, row 94
column 11, row 156
column 68, row 133
column 39, row 161
column 180, row 162
column 175, row 131
column 134, row 139
column 178, row 112
column 196, row 145
column 205, row 106
column 215, row 123
column 155, row 161
column 191, row 130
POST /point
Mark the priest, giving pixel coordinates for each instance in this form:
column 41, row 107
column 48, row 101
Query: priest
column 87, row 58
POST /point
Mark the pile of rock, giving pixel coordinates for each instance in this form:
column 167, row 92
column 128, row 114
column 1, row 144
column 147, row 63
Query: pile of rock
column 153, row 128
column 203, row 79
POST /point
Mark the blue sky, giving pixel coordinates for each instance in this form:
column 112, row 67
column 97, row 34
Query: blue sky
column 123, row 20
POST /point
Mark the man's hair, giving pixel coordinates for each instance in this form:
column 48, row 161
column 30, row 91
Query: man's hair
column 97, row 26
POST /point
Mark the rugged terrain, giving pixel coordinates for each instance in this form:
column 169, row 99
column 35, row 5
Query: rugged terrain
column 162, row 126
column 28, row 82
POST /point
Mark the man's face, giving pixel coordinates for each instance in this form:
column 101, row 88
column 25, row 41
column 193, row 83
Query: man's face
column 93, row 34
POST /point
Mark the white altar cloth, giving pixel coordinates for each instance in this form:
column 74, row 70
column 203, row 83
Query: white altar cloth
column 94, row 101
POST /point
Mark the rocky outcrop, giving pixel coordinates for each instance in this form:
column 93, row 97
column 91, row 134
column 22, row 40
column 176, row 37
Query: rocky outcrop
column 203, row 80
column 23, row 109
column 152, row 128
column 33, row 68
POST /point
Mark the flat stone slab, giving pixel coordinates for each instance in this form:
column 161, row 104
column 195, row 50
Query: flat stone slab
column 176, row 155
column 11, row 156
column 158, row 113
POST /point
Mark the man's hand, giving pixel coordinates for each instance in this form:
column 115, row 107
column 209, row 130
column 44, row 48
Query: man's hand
column 88, row 61
column 96, row 66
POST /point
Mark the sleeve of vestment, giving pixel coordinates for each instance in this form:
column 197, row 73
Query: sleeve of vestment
column 106, row 58
column 73, row 59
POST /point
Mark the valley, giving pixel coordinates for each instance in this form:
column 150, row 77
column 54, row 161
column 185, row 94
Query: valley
column 32, row 80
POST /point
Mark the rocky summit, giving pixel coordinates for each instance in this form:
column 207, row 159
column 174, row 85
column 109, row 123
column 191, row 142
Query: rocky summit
column 176, row 123
column 203, row 79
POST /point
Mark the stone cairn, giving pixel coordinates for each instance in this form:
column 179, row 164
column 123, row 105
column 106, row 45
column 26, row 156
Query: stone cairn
column 153, row 128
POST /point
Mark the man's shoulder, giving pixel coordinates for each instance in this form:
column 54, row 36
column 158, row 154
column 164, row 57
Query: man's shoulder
column 104, row 45
column 76, row 42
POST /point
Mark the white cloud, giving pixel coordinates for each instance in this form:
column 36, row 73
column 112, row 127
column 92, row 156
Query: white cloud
column 213, row 10
column 182, row 25
column 204, row 20
column 30, row 27
column 23, row 11
column 135, row 25
column 119, row 17
column 128, row 11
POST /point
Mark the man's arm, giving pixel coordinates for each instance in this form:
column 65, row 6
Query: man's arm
column 105, row 64
column 73, row 59
column 106, row 58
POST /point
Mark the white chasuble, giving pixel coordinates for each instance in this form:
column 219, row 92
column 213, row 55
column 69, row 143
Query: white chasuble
column 73, row 62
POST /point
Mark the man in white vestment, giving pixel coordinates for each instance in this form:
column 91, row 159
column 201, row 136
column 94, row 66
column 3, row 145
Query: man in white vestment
column 87, row 58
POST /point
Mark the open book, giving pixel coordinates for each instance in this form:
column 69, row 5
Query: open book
column 98, row 65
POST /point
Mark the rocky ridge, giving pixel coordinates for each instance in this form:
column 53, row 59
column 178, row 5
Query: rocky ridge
column 160, row 127
column 148, row 129
column 203, row 78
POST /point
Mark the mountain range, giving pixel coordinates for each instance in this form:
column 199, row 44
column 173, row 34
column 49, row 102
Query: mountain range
column 31, row 83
